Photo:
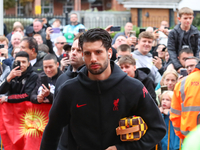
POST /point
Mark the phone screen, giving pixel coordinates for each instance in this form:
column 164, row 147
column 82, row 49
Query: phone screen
column 1, row 46
column 56, row 30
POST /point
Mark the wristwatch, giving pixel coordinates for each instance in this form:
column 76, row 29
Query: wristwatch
column 6, row 98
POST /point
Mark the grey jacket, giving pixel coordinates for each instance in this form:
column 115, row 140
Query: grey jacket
column 175, row 40
column 146, row 61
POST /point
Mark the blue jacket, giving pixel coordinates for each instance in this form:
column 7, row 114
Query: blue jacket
column 174, row 140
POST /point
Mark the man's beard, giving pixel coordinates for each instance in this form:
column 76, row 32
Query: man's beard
column 100, row 70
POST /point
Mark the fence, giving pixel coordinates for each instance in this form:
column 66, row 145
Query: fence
column 92, row 19
column 27, row 20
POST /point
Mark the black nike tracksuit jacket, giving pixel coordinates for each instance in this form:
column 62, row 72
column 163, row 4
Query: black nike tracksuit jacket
column 90, row 109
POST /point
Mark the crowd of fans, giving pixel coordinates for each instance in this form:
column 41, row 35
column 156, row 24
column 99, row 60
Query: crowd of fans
column 35, row 62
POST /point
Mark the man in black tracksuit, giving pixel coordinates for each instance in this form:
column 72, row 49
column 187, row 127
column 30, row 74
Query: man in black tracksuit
column 19, row 83
column 41, row 94
column 76, row 62
column 90, row 106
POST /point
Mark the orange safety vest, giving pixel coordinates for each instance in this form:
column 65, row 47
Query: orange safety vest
column 185, row 104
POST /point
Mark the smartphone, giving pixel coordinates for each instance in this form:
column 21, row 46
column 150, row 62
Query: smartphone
column 66, row 55
column 183, row 72
column 142, row 30
column 118, row 57
column 198, row 119
column 132, row 34
column 1, row 46
column 56, row 30
column 16, row 64
column 166, row 28
column 44, row 80
column 40, row 20
column 163, row 88
column 81, row 30
column 154, row 28
column 115, row 28
column 155, row 54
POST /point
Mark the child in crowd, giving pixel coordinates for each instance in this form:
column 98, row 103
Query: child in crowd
column 170, row 140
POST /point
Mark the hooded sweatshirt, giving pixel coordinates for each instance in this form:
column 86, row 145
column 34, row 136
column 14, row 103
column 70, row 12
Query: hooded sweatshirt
column 142, row 74
column 146, row 61
column 93, row 109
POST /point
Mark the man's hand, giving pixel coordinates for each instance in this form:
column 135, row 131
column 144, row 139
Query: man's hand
column 108, row 29
column 157, row 62
column 44, row 20
column 3, row 99
column 4, row 53
column 64, row 62
column 156, row 34
column 45, row 91
column 165, row 31
column 112, row 148
column 14, row 73
column 131, row 40
column 49, row 30
column 40, row 98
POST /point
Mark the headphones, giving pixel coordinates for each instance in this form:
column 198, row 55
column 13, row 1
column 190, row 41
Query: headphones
column 109, row 55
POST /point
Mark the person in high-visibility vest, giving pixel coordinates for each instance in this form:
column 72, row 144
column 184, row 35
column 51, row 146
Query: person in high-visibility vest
column 185, row 104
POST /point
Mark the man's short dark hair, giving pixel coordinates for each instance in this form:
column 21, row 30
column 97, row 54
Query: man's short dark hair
column 49, row 57
column 43, row 47
column 96, row 34
column 124, row 48
column 22, row 54
column 185, row 50
column 127, row 59
column 32, row 43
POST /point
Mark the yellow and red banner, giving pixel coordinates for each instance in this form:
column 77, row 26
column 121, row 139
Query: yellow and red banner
column 22, row 125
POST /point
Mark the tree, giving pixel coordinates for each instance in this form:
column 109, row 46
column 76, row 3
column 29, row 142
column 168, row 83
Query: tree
column 8, row 4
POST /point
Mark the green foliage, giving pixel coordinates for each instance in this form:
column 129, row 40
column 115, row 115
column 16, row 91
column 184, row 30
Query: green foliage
column 196, row 21
column 8, row 4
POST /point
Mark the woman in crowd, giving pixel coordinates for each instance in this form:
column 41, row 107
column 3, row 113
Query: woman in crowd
column 169, row 79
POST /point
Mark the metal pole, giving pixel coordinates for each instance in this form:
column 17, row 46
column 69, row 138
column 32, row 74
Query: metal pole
column 1, row 17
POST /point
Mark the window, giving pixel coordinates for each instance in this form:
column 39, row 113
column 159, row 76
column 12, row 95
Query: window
column 47, row 6
column 69, row 6
column 20, row 9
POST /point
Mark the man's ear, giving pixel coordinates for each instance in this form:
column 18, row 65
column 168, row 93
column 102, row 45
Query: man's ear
column 179, row 18
column 110, row 53
column 116, row 55
column 134, row 67
column 57, row 64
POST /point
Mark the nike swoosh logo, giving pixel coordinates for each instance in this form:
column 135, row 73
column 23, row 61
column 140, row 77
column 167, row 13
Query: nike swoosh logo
column 80, row 105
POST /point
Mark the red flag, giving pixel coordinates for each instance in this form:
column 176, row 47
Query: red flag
column 22, row 125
